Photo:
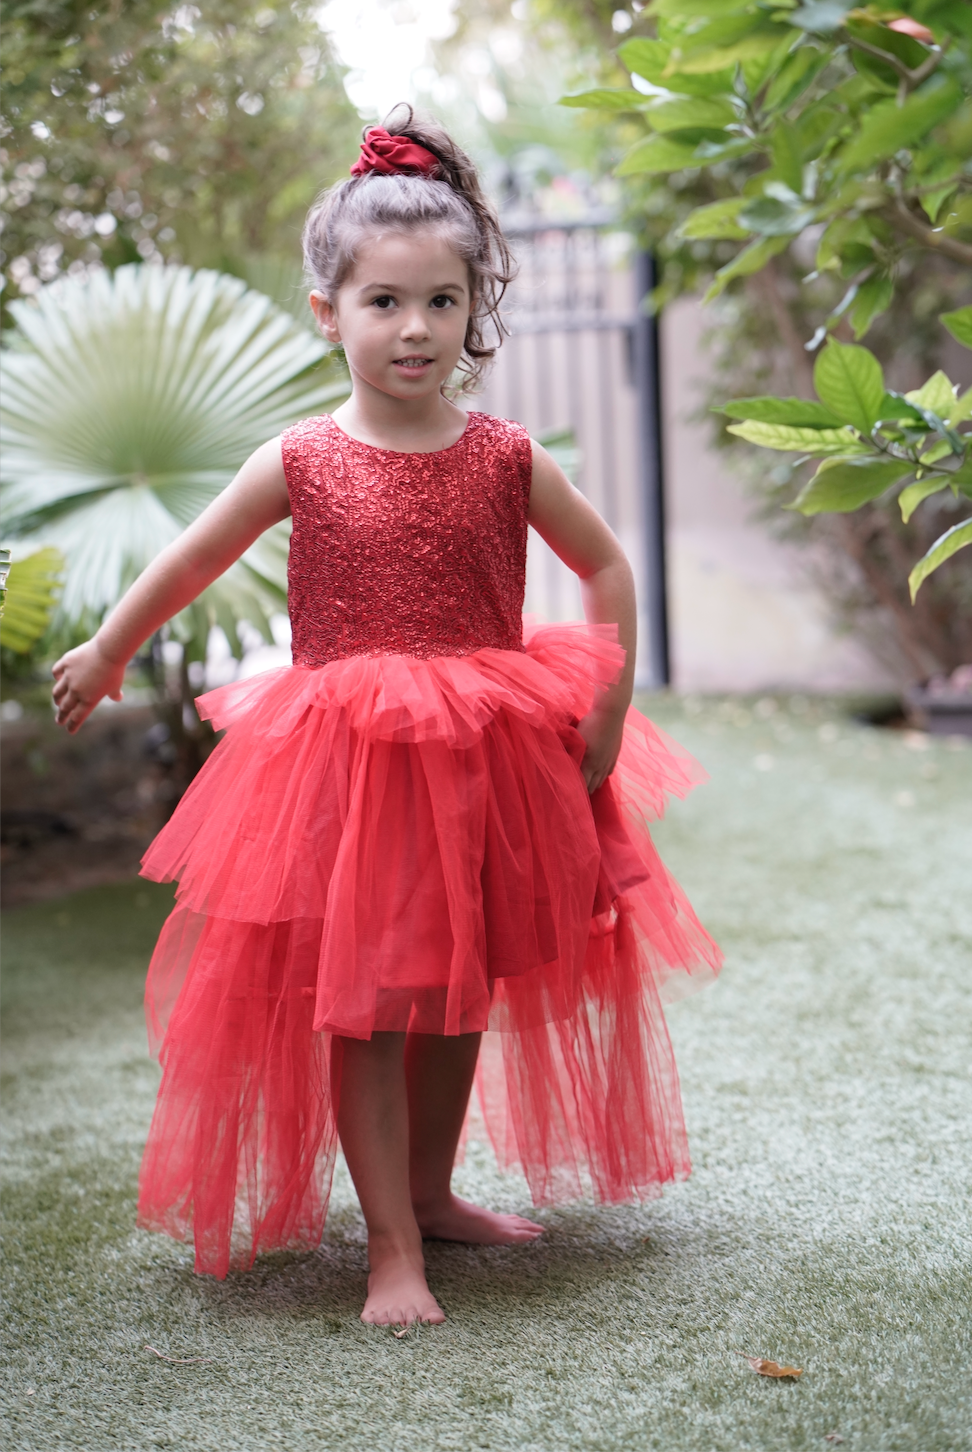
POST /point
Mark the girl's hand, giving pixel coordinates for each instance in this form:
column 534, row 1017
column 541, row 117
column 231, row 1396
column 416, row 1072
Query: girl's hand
column 602, row 730
column 82, row 677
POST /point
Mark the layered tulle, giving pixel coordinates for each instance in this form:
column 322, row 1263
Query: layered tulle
column 388, row 843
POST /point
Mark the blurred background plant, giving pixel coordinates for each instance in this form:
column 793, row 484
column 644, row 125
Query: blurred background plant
column 136, row 135
column 149, row 131
column 29, row 594
column 814, row 162
column 131, row 398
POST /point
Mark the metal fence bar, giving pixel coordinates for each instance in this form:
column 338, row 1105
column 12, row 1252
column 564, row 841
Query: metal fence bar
column 648, row 384
column 581, row 352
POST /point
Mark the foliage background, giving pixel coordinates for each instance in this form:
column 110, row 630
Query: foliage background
column 200, row 134
column 760, row 327
column 149, row 131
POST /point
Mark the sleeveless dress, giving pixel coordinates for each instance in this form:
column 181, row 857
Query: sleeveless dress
column 394, row 834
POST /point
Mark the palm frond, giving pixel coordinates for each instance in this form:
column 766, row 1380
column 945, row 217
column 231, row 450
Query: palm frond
column 131, row 399
column 30, row 594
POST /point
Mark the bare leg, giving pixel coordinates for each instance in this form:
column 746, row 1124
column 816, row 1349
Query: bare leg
column 439, row 1071
column 373, row 1125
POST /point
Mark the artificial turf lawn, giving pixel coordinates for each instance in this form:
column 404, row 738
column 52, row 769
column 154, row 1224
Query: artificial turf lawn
column 827, row 1223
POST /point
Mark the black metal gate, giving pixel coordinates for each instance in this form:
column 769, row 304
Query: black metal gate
column 583, row 361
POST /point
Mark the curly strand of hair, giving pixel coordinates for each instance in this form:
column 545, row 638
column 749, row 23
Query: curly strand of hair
column 452, row 202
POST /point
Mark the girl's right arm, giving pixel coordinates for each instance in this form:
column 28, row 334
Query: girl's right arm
column 256, row 499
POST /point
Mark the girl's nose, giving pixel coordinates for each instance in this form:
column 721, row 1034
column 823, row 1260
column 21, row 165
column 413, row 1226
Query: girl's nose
column 415, row 325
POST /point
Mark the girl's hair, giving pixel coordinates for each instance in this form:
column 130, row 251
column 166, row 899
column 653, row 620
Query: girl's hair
column 451, row 201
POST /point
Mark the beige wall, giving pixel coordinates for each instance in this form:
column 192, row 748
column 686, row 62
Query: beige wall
column 744, row 614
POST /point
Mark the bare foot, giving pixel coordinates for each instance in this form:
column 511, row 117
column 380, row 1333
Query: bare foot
column 397, row 1292
column 458, row 1220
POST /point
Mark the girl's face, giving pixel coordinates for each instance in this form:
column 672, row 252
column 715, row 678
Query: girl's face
column 401, row 314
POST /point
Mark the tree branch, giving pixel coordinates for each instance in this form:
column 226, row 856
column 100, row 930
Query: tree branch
column 910, row 79
column 767, row 284
column 893, row 61
column 905, row 221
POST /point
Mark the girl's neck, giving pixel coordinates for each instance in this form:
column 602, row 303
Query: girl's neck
column 406, row 426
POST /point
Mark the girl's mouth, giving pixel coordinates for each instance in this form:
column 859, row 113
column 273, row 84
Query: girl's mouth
column 413, row 364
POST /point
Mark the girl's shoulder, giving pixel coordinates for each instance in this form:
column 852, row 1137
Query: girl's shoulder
column 503, row 446
column 316, row 429
column 499, row 430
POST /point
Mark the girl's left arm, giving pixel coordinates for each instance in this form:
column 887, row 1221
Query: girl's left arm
column 576, row 532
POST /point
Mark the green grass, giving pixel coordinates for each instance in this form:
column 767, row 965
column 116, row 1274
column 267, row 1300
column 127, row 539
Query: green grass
column 827, row 1223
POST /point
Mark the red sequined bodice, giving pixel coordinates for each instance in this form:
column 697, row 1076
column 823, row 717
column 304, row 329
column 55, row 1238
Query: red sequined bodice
column 410, row 554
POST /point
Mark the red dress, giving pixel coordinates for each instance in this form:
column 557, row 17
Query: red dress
column 395, row 834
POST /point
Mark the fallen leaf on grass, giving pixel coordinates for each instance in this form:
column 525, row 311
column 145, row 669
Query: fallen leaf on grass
column 178, row 1360
column 834, row 1437
column 770, row 1368
column 399, row 1334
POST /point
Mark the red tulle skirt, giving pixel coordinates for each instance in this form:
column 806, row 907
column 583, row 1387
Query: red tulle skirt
column 388, row 843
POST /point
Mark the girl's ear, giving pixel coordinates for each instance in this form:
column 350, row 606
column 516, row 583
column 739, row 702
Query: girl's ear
column 326, row 316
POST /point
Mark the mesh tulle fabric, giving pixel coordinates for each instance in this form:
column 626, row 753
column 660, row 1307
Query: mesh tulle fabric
column 390, row 843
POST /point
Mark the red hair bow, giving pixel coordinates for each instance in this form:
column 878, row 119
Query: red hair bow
column 393, row 155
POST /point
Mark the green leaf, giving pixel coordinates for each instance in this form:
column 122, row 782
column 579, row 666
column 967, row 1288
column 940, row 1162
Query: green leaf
column 772, row 217
column 750, row 260
column 948, row 544
column 709, row 151
column 892, row 42
column 33, row 585
column 797, row 412
column 843, row 485
column 798, row 72
column 618, row 99
column 936, row 395
column 873, row 298
column 910, row 498
column 849, row 381
column 798, row 440
column 649, row 59
column 691, row 112
column 646, row 58
column 701, row 60
column 787, row 155
column 696, row 9
column 961, row 478
column 821, row 16
column 961, row 409
column 932, row 201
column 657, row 154
column 718, row 219
column 937, row 451
column 725, row 42
column 895, row 407
column 888, row 127
column 959, row 324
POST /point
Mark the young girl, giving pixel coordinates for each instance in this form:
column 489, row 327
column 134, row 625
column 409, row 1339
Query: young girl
column 413, row 834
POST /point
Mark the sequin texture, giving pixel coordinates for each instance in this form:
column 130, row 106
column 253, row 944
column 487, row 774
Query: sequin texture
column 406, row 554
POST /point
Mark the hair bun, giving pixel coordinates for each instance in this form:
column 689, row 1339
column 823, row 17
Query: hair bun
column 393, row 155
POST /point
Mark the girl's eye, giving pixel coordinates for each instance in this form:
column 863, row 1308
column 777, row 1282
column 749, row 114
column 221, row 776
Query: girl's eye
column 442, row 300
column 385, row 301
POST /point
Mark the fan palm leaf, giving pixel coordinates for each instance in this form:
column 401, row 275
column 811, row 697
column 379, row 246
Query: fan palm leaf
column 130, row 400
